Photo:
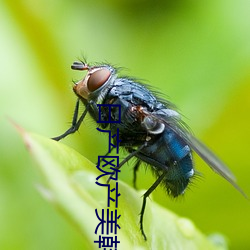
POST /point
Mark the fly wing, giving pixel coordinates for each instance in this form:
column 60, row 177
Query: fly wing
column 208, row 156
column 175, row 124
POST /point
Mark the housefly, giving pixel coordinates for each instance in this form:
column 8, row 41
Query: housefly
column 151, row 130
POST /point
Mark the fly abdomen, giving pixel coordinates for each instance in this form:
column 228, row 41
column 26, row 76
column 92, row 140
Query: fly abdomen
column 180, row 166
column 177, row 147
column 168, row 153
column 178, row 176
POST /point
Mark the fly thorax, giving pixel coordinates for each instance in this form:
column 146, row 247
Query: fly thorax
column 168, row 114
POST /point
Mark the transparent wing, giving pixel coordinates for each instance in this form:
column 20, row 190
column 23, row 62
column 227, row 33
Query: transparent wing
column 175, row 124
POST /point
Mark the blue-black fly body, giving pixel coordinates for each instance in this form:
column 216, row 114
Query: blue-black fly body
column 150, row 129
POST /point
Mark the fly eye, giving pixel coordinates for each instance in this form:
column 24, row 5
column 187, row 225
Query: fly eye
column 97, row 79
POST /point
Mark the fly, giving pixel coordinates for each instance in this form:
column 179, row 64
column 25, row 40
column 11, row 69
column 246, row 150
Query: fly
column 151, row 130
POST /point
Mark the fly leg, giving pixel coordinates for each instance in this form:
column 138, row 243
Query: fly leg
column 145, row 196
column 75, row 123
column 136, row 167
column 127, row 158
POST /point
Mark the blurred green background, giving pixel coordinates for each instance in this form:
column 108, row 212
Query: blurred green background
column 196, row 52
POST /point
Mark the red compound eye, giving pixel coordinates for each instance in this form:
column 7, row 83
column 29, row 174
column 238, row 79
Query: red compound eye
column 97, row 79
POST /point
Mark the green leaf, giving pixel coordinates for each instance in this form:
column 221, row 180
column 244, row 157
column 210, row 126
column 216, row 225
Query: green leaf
column 70, row 186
